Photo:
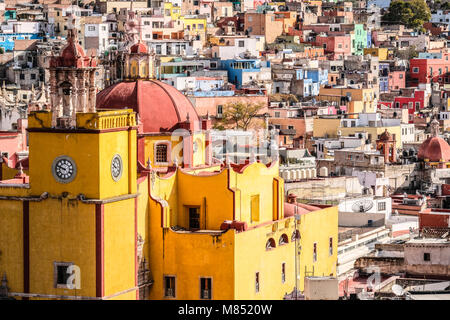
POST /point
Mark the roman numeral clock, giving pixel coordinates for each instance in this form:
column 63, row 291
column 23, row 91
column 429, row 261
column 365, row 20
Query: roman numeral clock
column 64, row 169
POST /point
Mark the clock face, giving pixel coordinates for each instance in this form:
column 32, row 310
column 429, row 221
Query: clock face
column 116, row 167
column 64, row 169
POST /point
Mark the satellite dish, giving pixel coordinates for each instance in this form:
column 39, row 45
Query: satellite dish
column 397, row 290
column 362, row 205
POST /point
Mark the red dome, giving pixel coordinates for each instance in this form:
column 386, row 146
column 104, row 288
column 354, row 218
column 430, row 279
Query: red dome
column 160, row 106
column 138, row 48
column 434, row 149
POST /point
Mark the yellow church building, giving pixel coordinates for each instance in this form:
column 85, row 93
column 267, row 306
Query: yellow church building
column 123, row 200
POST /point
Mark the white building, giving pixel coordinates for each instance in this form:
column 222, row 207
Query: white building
column 441, row 16
column 96, row 36
column 238, row 47
column 14, row 26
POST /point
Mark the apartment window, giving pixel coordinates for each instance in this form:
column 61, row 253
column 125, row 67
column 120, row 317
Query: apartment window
column 146, row 23
column 315, row 252
column 169, row 286
column 103, row 28
column 283, row 272
column 60, row 274
column 417, row 105
column 241, row 43
column 194, row 218
column 219, row 109
column 400, row 76
column 426, row 256
column 22, row 76
column 283, row 239
column 270, row 244
column 381, row 206
column 410, row 105
column 353, row 123
column 291, row 127
column 91, row 28
column 415, row 70
column 277, row 114
column 257, row 282
column 205, row 288
column 161, row 153
column 330, row 249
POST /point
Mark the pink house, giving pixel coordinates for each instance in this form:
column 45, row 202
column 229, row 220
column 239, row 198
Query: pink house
column 337, row 46
column 12, row 143
column 397, row 80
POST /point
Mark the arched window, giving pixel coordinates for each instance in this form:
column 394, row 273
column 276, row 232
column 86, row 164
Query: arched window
column 295, row 235
column 283, row 239
column 270, row 244
column 161, row 153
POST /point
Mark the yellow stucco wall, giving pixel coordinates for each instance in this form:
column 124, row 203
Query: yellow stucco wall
column 11, row 243
column 119, row 246
column 381, row 53
column 325, row 220
column 251, row 256
column 61, row 231
column 92, row 154
column 322, row 127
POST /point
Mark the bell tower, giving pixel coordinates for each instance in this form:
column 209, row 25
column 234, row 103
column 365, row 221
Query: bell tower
column 72, row 81
column 387, row 147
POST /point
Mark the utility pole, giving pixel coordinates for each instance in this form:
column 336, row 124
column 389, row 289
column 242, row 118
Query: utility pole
column 297, row 218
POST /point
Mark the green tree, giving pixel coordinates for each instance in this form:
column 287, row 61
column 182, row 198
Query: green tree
column 412, row 14
column 239, row 115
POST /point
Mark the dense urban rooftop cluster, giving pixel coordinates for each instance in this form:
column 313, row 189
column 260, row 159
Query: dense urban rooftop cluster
column 345, row 105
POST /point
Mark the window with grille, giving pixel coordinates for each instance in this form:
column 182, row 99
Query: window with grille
column 205, row 288
column 194, row 218
column 381, row 206
column 169, row 286
column 161, row 153
column 283, row 272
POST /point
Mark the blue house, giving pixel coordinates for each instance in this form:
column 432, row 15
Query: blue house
column 237, row 68
column 319, row 76
column 10, row 14
column 7, row 39
column 384, row 77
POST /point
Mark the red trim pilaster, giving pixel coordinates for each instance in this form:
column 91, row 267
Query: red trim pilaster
column 99, row 251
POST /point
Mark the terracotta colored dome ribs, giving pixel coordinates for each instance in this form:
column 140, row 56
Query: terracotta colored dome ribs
column 171, row 98
column 434, row 149
column 161, row 108
column 139, row 48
